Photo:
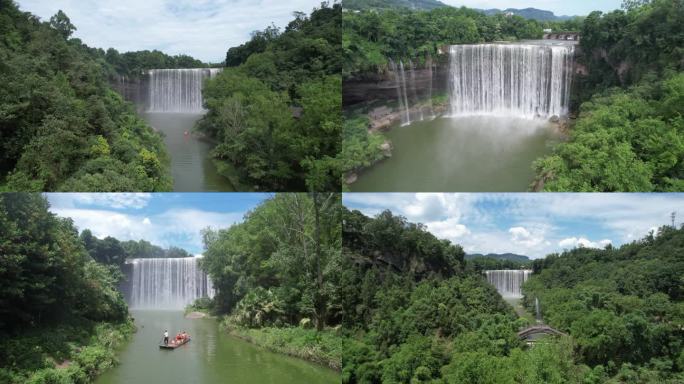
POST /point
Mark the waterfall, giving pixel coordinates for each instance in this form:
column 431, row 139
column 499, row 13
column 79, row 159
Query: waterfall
column 521, row 80
column 537, row 310
column 167, row 283
column 508, row 281
column 429, row 92
column 177, row 90
column 400, row 80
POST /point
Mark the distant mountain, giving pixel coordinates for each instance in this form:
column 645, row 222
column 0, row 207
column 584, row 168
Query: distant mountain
column 426, row 5
column 500, row 256
column 423, row 5
column 528, row 13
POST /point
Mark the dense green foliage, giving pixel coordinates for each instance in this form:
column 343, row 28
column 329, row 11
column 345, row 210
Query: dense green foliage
column 482, row 263
column 321, row 347
column 49, row 281
column 623, row 307
column 389, row 4
column 624, row 140
column 371, row 38
column 112, row 251
column 360, row 148
column 46, row 272
column 61, row 126
column 278, row 267
column 84, row 349
column 133, row 64
column 275, row 111
column 623, row 46
column 416, row 316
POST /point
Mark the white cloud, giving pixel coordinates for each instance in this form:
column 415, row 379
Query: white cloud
column 527, row 223
column 522, row 236
column 574, row 242
column 448, row 229
column 103, row 200
column 204, row 29
column 179, row 227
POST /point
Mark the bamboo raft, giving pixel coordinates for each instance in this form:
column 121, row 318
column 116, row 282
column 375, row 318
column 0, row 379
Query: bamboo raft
column 174, row 345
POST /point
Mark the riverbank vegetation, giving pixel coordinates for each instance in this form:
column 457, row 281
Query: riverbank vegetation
column 61, row 315
column 630, row 134
column 278, row 270
column 275, row 110
column 623, row 306
column 62, row 128
column 320, row 347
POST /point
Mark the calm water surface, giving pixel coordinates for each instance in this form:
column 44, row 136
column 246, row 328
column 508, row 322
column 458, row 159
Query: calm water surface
column 465, row 154
column 191, row 167
column 210, row 357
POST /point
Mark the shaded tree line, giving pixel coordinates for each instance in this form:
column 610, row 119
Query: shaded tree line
column 110, row 250
column 61, row 126
column 371, row 38
column 275, row 110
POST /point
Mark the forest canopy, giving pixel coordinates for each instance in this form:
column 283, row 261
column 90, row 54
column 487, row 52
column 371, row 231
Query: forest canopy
column 630, row 134
column 275, row 110
column 54, row 89
column 416, row 313
column 371, row 38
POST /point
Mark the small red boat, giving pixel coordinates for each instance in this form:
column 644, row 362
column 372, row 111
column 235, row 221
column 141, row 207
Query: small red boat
column 173, row 344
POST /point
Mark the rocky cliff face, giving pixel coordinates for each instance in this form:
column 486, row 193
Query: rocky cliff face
column 383, row 87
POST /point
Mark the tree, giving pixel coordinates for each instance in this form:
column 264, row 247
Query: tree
column 60, row 22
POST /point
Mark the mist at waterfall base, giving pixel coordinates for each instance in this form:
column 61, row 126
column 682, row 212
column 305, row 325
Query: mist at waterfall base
column 170, row 100
column 496, row 123
column 166, row 283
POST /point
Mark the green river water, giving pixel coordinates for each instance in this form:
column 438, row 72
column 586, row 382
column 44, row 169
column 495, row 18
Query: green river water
column 210, row 357
column 465, row 154
column 191, row 167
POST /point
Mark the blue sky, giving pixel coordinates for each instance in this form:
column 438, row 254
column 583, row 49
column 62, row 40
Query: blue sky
column 532, row 224
column 204, row 29
column 559, row 7
column 163, row 219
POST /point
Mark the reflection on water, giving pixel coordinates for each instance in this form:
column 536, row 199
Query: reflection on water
column 191, row 167
column 210, row 357
column 467, row 154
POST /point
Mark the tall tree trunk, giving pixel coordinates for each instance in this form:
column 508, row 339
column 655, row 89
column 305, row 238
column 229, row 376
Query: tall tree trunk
column 320, row 302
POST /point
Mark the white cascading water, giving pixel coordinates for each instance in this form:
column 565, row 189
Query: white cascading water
column 408, row 93
column 400, row 79
column 519, row 80
column 167, row 283
column 177, row 90
column 508, row 281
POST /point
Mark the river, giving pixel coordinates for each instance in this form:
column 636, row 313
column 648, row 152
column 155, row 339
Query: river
column 212, row 356
column 464, row 154
column 191, row 166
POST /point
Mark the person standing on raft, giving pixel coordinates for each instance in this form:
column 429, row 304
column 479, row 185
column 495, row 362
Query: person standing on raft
column 166, row 337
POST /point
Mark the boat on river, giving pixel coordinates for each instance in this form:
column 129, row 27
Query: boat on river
column 174, row 345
